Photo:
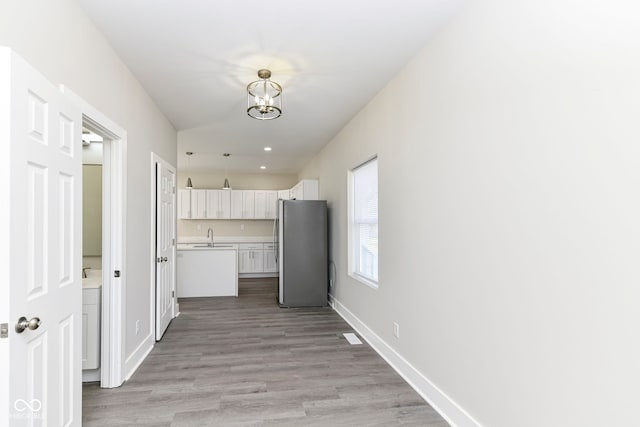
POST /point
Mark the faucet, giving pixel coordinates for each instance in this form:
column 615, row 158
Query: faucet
column 84, row 272
column 210, row 236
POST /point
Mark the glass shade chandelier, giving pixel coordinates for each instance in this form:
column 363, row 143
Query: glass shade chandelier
column 264, row 97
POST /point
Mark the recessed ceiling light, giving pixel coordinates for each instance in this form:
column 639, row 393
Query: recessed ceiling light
column 263, row 167
column 267, row 148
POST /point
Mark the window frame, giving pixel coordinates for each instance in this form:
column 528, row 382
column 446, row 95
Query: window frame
column 353, row 242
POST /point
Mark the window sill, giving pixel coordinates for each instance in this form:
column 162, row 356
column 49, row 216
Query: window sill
column 370, row 283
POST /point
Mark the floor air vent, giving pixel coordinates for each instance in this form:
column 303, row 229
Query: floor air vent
column 352, row 338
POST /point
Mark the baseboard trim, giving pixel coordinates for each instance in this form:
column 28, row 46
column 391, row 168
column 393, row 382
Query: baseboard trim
column 443, row 404
column 138, row 356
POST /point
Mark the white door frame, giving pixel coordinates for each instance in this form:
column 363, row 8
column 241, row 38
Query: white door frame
column 155, row 159
column 114, row 198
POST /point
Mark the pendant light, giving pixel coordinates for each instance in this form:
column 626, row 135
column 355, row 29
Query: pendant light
column 264, row 97
column 189, row 184
column 226, row 185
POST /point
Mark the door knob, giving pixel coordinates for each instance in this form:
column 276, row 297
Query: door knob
column 23, row 324
column 165, row 259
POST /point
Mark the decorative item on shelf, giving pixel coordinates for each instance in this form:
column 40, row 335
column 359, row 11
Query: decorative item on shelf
column 226, row 185
column 264, row 97
column 189, row 184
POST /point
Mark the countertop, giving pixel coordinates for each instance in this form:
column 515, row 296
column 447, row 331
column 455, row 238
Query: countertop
column 199, row 247
column 93, row 279
column 226, row 239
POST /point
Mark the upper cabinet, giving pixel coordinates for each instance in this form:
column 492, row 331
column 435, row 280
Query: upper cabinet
column 218, row 204
column 240, row 204
column 307, row 189
column 198, row 204
column 284, row 194
column 184, row 204
column 265, row 204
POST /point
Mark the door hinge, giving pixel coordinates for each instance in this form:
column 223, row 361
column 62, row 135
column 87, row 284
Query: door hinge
column 173, row 242
column 4, row 330
column 116, row 273
column 173, row 294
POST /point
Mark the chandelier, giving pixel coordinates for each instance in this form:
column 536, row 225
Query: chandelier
column 264, row 97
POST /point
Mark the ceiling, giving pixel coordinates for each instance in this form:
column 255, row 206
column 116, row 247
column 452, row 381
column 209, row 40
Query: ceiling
column 196, row 57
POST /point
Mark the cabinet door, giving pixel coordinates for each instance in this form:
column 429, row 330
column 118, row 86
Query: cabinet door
column 257, row 261
column 284, row 194
column 272, row 204
column 198, row 204
column 296, row 192
column 236, row 204
column 270, row 265
column 244, row 261
column 213, row 204
column 224, row 197
column 184, row 204
column 248, row 204
column 260, row 205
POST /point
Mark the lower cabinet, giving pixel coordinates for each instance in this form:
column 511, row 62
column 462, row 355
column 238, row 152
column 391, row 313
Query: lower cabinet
column 257, row 258
column 91, row 328
column 251, row 258
column 270, row 264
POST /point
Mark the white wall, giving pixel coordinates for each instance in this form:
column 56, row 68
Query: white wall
column 61, row 42
column 509, row 174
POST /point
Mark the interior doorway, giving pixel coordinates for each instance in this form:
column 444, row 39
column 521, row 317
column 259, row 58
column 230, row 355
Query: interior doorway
column 113, row 243
column 163, row 234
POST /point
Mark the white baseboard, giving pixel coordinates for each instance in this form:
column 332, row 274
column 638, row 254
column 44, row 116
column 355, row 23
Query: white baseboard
column 135, row 359
column 446, row 407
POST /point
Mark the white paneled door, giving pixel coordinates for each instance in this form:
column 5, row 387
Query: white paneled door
column 165, row 246
column 41, row 226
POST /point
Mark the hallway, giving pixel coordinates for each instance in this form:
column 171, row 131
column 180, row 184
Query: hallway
column 244, row 361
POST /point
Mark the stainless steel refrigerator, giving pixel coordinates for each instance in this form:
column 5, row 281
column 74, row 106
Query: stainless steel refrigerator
column 301, row 230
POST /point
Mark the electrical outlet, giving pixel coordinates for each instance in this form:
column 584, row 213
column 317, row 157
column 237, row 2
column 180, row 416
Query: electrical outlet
column 137, row 327
column 396, row 330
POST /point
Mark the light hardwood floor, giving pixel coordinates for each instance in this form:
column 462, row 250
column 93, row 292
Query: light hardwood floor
column 246, row 362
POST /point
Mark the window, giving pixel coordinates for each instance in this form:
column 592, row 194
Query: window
column 363, row 222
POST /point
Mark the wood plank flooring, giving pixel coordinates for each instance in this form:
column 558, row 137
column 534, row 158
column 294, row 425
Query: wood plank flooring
column 246, row 362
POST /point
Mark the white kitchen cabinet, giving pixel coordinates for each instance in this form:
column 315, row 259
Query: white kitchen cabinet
column 272, row 204
column 242, row 204
column 284, row 194
column 270, row 264
column 251, row 258
column 265, row 204
column 260, row 207
column 218, row 204
column 198, row 204
column 91, row 327
column 207, row 272
column 307, row 189
column 184, row 204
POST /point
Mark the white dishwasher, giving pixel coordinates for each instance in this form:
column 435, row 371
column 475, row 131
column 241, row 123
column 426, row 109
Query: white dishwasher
column 207, row 272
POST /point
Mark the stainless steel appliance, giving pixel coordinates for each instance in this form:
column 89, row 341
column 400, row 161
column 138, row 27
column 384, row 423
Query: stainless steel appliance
column 301, row 230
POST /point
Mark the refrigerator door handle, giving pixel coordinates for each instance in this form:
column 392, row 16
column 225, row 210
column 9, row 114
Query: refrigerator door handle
column 275, row 230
